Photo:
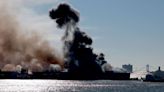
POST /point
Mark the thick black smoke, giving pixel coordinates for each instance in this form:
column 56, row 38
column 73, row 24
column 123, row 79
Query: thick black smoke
column 64, row 14
column 79, row 56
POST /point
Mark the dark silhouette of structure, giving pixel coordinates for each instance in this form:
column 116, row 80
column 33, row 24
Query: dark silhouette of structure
column 156, row 76
column 80, row 60
column 78, row 52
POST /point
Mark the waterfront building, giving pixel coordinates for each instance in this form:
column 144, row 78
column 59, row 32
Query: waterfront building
column 128, row 68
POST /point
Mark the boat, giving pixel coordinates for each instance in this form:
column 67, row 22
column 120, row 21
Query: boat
column 157, row 76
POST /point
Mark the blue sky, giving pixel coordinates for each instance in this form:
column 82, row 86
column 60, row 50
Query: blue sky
column 126, row 31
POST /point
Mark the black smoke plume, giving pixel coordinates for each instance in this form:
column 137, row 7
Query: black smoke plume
column 79, row 57
column 64, row 14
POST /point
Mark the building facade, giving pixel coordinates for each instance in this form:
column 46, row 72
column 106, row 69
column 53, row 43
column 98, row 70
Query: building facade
column 128, row 68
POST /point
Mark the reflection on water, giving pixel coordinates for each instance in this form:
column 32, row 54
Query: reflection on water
column 78, row 86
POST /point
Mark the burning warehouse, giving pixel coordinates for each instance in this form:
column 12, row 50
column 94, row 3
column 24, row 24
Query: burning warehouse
column 82, row 62
column 38, row 58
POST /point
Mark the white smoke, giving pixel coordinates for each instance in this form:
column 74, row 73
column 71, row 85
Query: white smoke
column 20, row 43
column 106, row 67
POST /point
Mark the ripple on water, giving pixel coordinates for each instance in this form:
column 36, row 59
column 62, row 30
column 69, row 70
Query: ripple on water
column 78, row 86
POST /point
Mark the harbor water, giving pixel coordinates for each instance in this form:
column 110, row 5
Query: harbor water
column 79, row 86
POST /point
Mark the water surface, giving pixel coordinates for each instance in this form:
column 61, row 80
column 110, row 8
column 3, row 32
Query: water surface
column 78, row 86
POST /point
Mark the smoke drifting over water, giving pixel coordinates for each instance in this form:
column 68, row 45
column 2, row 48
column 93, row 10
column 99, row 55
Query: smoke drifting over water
column 17, row 48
